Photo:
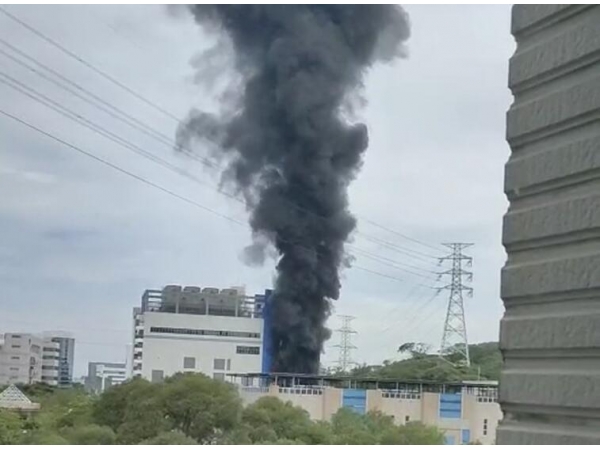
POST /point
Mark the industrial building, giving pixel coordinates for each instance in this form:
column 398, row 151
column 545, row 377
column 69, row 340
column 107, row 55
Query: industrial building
column 103, row 375
column 193, row 329
column 466, row 412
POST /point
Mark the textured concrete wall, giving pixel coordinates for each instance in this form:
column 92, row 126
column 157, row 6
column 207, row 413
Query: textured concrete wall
column 550, row 333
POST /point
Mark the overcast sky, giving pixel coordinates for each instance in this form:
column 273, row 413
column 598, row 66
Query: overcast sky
column 81, row 242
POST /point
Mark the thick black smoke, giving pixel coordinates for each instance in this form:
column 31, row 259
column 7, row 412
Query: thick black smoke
column 293, row 154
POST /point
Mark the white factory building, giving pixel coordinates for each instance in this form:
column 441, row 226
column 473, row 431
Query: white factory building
column 193, row 329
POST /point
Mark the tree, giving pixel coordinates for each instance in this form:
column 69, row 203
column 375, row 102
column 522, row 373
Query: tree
column 111, row 406
column 199, row 406
column 350, row 428
column 143, row 418
column 11, row 427
column 170, row 438
column 270, row 419
column 91, row 435
column 43, row 437
column 64, row 408
column 486, row 362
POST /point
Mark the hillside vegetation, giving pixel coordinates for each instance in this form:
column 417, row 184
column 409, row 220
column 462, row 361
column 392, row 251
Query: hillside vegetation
column 486, row 362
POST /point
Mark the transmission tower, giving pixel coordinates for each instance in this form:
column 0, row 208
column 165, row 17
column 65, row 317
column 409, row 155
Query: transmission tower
column 345, row 345
column 455, row 339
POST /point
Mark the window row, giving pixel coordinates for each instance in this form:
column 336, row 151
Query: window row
column 192, row 331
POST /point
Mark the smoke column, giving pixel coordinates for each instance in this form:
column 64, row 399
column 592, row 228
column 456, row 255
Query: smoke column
column 291, row 152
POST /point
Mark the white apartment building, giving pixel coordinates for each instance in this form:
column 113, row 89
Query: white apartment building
column 27, row 358
column 190, row 329
column 50, row 362
column 66, row 355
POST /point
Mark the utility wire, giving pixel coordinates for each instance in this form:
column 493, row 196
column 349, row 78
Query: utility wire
column 165, row 164
column 157, row 186
column 408, row 307
column 165, row 140
column 117, row 82
column 88, row 65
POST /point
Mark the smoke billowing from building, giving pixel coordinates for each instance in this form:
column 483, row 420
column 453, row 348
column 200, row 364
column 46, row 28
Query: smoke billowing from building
column 291, row 152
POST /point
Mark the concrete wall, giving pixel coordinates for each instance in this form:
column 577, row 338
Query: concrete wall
column 550, row 333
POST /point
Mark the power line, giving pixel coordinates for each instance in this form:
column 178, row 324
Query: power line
column 412, row 323
column 119, row 169
column 125, row 87
column 88, row 65
column 22, row 88
column 400, row 234
column 66, row 112
column 156, row 186
column 156, row 159
column 410, row 307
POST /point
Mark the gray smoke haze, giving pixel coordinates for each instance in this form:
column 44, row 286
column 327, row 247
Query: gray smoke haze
column 292, row 153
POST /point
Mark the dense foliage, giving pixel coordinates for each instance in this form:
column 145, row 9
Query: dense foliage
column 191, row 409
column 486, row 362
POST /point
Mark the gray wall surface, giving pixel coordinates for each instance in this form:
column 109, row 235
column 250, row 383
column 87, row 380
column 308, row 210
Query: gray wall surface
column 550, row 333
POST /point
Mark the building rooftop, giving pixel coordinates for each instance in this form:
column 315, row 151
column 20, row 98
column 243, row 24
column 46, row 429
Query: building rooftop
column 345, row 381
column 195, row 300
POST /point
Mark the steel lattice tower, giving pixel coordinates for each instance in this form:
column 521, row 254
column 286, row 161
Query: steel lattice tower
column 345, row 345
column 455, row 339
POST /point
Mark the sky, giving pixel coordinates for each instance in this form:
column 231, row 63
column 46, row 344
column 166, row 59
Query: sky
column 81, row 241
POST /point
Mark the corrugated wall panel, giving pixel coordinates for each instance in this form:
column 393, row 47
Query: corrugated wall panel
column 550, row 333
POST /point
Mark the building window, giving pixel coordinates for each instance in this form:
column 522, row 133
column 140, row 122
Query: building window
column 189, row 362
column 16, row 346
column 15, row 357
column 466, row 436
column 197, row 332
column 219, row 376
column 158, row 376
column 16, row 336
column 485, row 427
column 14, row 369
column 407, row 419
column 246, row 350
column 219, row 364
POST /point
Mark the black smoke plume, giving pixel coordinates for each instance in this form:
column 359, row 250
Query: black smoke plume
column 292, row 153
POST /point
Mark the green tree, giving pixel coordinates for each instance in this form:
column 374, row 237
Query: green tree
column 350, row 428
column 43, row 437
column 144, row 417
column 11, row 427
column 111, row 406
column 170, row 438
column 64, row 408
column 199, row 406
column 91, row 435
column 270, row 419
